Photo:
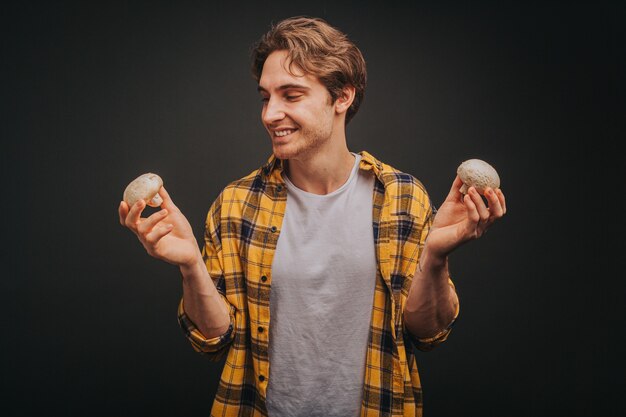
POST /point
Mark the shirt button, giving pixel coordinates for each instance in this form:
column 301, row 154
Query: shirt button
column 279, row 188
column 273, row 229
column 263, row 278
column 260, row 329
column 261, row 378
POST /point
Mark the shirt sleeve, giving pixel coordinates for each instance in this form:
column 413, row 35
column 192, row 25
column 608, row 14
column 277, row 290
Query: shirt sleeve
column 214, row 348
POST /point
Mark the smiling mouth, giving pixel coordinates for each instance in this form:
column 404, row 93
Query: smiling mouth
column 284, row 133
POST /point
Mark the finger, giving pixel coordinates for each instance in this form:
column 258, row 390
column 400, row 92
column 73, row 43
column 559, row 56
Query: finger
column 158, row 232
column 167, row 200
column 473, row 216
column 500, row 195
column 147, row 225
column 480, row 204
column 135, row 214
column 123, row 212
column 495, row 208
column 472, row 211
column 455, row 193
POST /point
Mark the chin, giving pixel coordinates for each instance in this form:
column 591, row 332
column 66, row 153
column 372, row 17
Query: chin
column 296, row 148
column 284, row 151
column 283, row 155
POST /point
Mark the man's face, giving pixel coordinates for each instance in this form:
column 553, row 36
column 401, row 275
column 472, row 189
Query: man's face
column 297, row 110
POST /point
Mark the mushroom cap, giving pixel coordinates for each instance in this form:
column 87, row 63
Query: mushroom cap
column 144, row 187
column 479, row 174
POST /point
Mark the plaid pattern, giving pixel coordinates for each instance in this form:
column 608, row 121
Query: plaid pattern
column 242, row 230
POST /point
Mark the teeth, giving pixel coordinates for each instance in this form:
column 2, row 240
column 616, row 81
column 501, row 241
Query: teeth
column 283, row 132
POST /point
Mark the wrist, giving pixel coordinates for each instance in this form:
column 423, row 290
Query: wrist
column 430, row 261
column 193, row 267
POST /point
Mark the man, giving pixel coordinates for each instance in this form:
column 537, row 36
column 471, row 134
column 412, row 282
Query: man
column 324, row 263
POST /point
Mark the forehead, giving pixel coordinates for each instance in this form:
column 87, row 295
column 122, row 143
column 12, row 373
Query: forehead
column 275, row 74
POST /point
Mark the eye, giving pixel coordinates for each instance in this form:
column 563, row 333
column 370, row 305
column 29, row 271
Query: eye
column 293, row 97
column 265, row 99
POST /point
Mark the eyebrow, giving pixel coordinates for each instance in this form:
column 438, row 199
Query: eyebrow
column 285, row 87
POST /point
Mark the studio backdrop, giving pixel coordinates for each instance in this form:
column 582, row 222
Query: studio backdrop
column 97, row 93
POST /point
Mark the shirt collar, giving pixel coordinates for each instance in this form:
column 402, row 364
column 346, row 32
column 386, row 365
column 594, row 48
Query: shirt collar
column 368, row 162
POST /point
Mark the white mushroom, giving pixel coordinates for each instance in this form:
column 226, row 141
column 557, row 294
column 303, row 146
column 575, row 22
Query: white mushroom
column 479, row 174
column 144, row 187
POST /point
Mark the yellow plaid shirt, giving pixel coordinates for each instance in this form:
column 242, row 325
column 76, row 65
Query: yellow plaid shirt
column 242, row 230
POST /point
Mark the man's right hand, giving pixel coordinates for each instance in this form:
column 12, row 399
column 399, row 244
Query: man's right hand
column 166, row 234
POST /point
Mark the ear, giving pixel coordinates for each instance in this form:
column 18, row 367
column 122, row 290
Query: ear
column 344, row 101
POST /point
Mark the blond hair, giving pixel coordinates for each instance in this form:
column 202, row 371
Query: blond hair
column 318, row 49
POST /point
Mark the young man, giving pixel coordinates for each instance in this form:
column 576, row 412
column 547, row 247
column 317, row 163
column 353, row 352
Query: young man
column 325, row 264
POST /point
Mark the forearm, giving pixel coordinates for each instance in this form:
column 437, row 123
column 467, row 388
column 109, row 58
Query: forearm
column 432, row 302
column 203, row 304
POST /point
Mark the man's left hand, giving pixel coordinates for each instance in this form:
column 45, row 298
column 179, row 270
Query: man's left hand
column 463, row 217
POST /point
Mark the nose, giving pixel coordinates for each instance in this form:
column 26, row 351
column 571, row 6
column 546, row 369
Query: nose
column 272, row 111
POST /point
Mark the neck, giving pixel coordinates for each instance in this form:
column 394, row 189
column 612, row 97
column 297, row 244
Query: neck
column 323, row 171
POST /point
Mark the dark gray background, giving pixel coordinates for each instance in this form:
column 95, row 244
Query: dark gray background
column 95, row 94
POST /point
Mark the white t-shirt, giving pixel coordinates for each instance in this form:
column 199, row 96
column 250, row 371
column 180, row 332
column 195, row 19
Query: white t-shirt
column 322, row 293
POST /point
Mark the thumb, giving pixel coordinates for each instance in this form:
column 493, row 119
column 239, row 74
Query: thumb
column 167, row 200
column 455, row 191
